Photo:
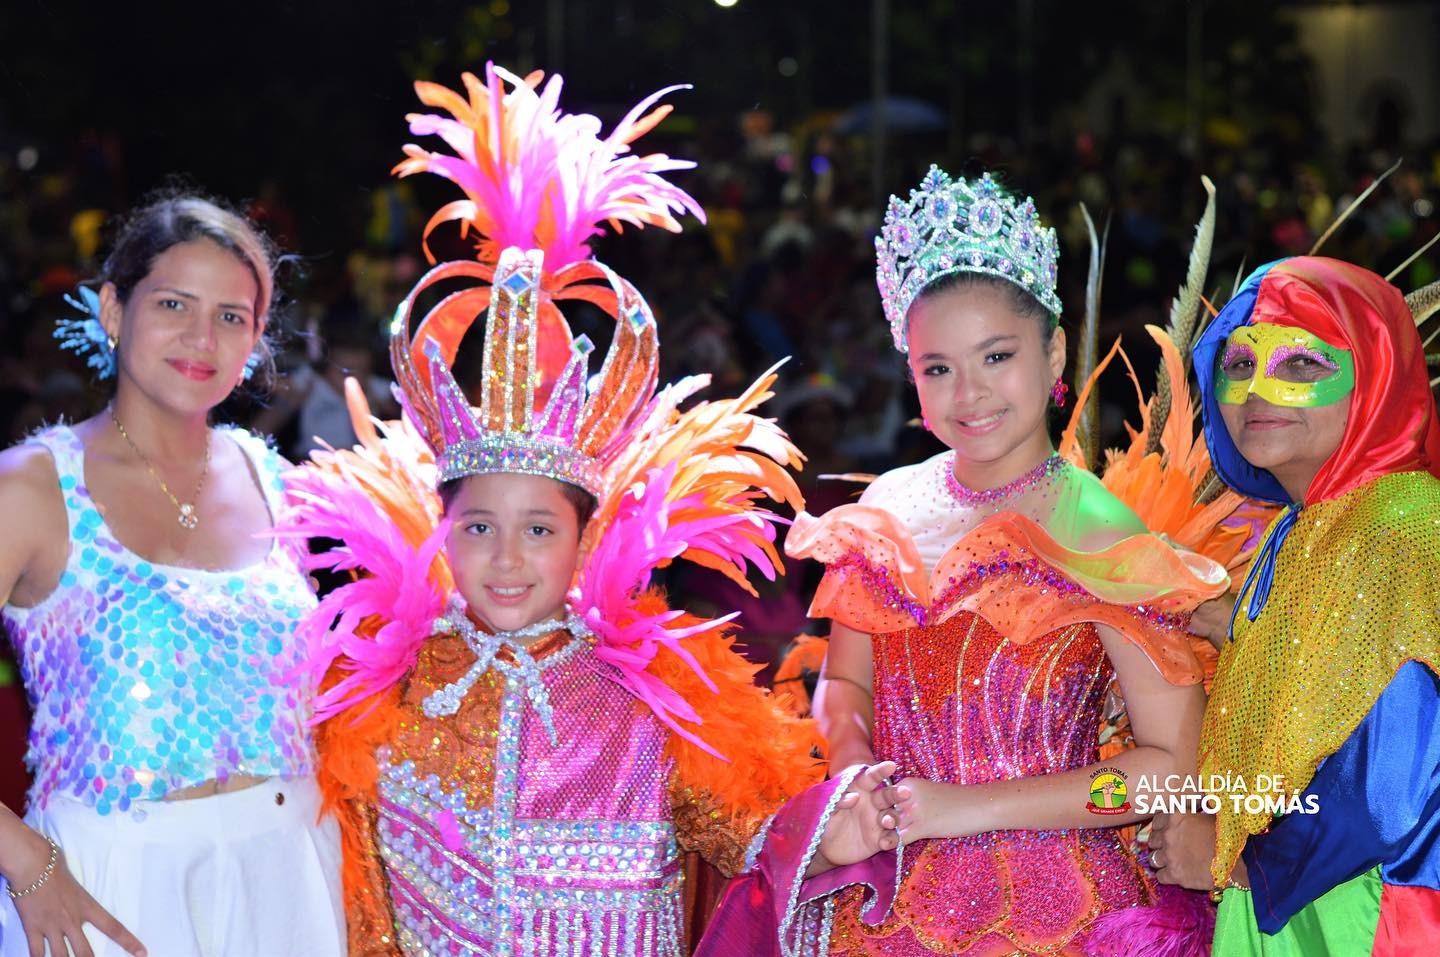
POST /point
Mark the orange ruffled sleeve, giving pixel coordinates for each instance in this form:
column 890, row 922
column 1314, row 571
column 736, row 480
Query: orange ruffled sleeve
column 1011, row 572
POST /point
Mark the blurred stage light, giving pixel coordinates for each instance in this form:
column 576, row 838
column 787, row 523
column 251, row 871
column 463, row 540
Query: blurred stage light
column 726, row 3
column 27, row 158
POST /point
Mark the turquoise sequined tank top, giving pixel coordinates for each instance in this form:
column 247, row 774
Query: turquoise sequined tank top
column 145, row 678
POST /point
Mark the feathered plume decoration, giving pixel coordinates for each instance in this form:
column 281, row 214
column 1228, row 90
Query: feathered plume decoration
column 690, row 483
column 643, row 536
column 378, row 501
column 537, row 178
column 1162, row 486
column 725, row 458
column 1185, row 312
column 372, row 627
column 1087, row 411
column 1424, row 303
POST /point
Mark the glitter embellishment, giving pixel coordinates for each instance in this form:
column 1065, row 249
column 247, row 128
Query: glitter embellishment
column 147, row 678
column 960, row 703
column 512, row 845
column 538, row 413
column 510, row 452
column 1027, row 573
column 970, row 498
column 524, row 669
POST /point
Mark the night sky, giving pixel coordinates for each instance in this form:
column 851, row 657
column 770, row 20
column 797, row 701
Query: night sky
column 313, row 95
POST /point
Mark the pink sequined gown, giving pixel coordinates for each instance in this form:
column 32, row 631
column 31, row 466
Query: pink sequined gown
column 988, row 666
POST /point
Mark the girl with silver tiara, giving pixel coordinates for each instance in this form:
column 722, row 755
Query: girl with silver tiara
column 984, row 601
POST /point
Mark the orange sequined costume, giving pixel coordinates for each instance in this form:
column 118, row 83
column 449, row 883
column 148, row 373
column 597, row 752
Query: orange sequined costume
column 533, row 792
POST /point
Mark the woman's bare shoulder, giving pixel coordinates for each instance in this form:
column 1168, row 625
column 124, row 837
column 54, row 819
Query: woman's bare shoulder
column 27, row 477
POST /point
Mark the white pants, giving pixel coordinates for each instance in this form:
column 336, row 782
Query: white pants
column 251, row 873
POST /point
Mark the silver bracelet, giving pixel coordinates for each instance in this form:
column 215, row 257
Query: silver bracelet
column 44, row 875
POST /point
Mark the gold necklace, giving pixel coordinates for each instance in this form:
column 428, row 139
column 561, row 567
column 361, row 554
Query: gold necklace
column 189, row 518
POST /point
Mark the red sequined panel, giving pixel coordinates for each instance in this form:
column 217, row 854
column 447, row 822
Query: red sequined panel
column 958, row 702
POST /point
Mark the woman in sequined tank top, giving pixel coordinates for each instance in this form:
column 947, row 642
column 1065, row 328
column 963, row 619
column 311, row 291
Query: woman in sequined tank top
column 174, row 804
column 983, row 604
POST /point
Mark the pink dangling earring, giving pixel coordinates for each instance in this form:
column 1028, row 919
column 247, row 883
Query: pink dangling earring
column 1058, row 392
column 925, row 421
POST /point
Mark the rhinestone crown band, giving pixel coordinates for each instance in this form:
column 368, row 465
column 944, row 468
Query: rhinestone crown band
column 953, row 226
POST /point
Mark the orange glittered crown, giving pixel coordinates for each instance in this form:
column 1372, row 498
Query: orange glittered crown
column 538, row 183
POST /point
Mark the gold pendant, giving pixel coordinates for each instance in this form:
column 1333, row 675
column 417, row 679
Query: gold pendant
column 188, row 518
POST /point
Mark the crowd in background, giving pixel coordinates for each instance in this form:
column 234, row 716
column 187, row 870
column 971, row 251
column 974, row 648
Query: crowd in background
column 783, row 267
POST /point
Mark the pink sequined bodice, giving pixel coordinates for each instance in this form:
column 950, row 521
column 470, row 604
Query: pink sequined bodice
column 958, row 702
column 517, row 845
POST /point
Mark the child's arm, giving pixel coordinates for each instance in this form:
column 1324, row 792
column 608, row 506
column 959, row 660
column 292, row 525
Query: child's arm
column 844, row 704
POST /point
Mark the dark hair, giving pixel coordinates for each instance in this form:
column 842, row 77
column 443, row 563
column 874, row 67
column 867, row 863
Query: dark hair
column 1019, row 299
column 175, row 217
column 585, row 503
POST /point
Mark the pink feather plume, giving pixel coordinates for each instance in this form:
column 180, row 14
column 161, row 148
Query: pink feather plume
column 535, row 177
column 641, row 538
column 395, row 591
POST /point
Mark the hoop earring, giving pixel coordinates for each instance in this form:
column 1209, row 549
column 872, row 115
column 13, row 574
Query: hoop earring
column 1058, row 392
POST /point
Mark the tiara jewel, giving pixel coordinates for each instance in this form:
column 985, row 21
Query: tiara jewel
column 953, row 226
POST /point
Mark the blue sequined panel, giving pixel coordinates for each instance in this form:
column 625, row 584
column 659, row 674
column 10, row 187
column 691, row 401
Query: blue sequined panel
column 145, row 678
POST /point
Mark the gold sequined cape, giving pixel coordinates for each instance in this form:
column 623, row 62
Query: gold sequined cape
column 1354, row 597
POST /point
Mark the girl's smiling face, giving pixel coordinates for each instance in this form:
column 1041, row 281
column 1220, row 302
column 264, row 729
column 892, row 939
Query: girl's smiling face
column 984, row 372
column 513, row 546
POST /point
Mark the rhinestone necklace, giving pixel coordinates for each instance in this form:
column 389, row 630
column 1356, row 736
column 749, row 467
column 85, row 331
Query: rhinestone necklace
column 524, row 669
column 971, row 498
column 189, row 518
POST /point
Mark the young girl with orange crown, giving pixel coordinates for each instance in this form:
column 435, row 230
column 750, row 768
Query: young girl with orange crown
column 518, row 735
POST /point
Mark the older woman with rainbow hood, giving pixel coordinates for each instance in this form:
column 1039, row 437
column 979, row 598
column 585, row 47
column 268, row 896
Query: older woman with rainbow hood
column 1326, row 700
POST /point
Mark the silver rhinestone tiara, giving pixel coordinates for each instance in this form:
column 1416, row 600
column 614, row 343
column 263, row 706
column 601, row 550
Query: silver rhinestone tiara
column 953, row 226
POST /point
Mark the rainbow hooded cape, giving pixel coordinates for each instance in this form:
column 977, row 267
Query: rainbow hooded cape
column 1329, row 682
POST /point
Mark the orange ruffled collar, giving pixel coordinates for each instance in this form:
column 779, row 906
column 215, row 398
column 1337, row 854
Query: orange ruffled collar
column 1009, row 570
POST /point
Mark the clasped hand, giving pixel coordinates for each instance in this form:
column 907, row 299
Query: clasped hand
column 1181, row 848
column 855, row 830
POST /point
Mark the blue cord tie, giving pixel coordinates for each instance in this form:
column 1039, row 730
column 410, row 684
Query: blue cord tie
column 1262, row 570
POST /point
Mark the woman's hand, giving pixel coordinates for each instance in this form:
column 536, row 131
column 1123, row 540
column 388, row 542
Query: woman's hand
column 54, row 913
column 1212, row 620
column 854, row 831
column 1181, row 848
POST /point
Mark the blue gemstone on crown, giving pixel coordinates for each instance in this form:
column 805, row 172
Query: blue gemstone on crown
column 517, row 282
